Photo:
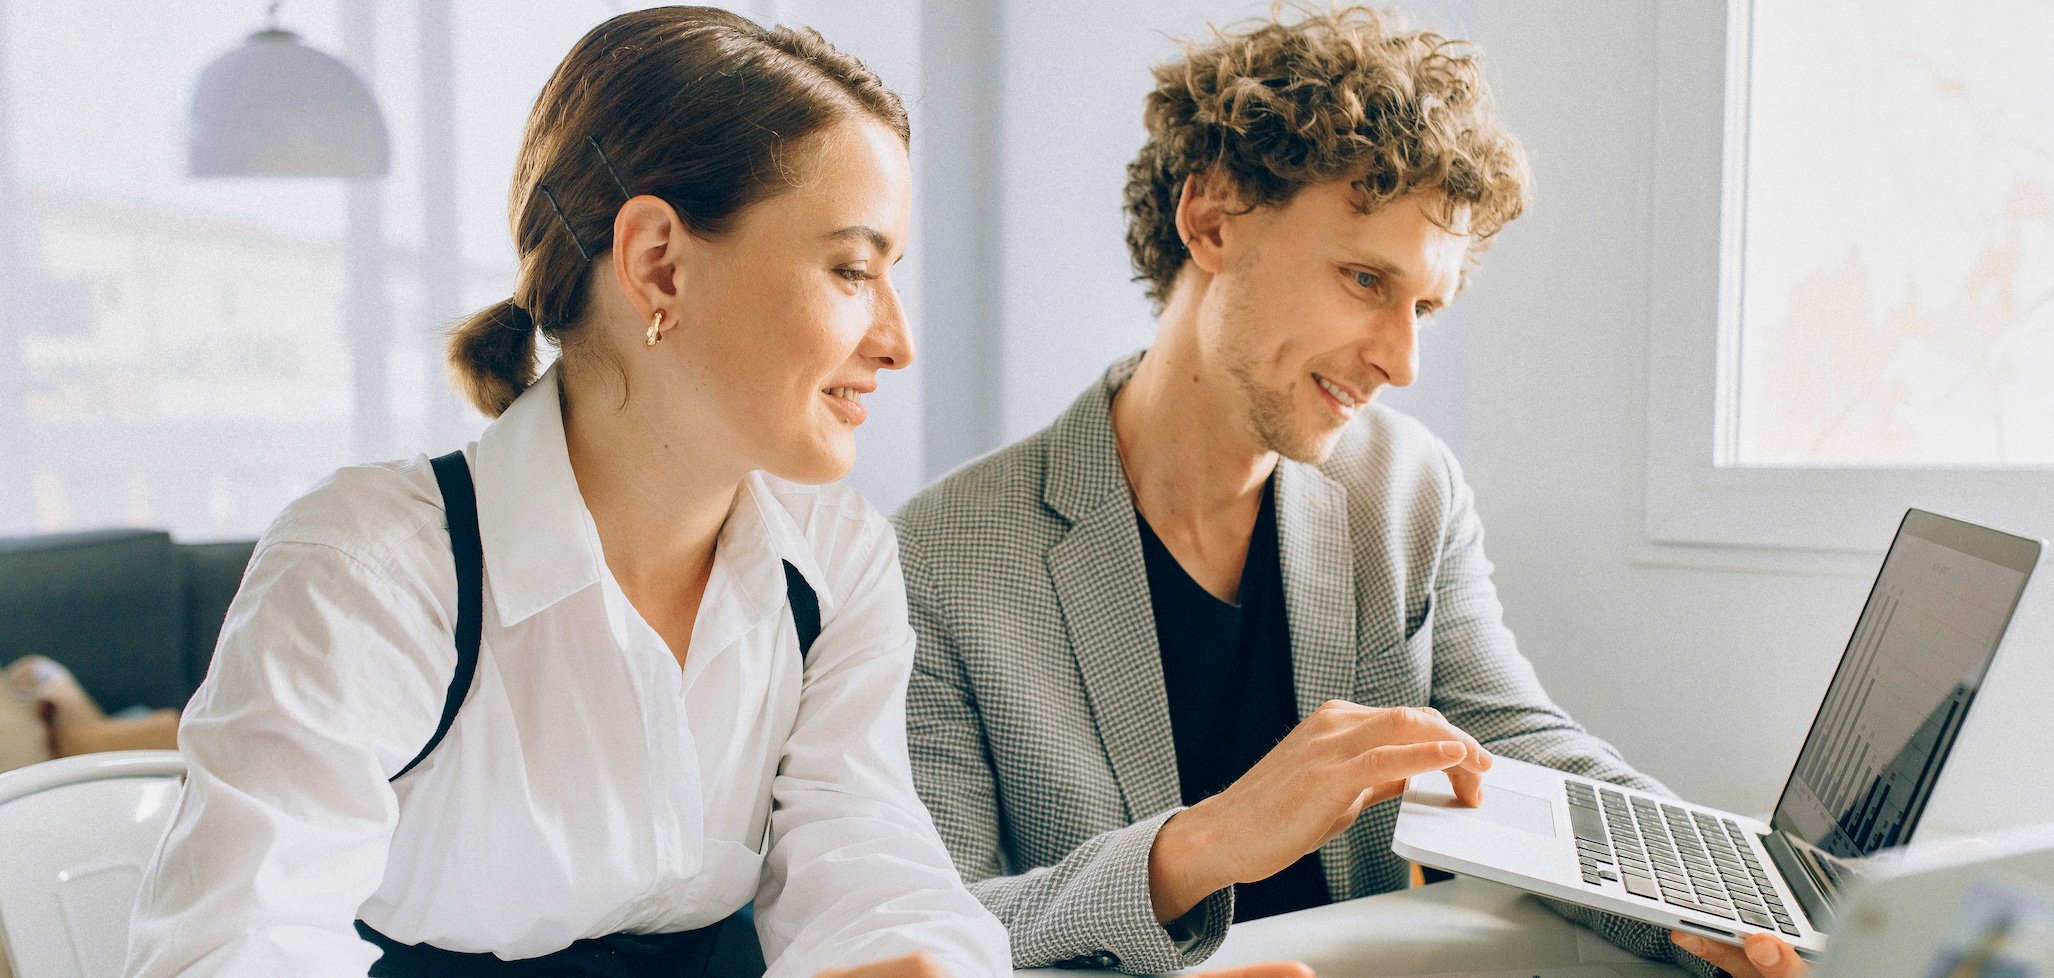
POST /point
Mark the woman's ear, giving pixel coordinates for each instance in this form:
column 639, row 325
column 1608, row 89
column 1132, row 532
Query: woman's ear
column 1203, row 209
column 650, row 250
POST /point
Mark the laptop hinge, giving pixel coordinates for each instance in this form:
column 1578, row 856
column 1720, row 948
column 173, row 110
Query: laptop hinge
column 1804, row 881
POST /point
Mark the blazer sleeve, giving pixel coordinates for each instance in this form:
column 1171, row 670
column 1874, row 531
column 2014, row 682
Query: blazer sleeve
column 1483, row 685
column 1090, row 909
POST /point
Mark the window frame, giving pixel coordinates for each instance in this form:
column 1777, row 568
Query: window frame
column 1695, row 496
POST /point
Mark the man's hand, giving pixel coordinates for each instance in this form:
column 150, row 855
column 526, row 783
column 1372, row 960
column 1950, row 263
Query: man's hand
column 910, row 966
column 1765, row 956
column 1306, row 790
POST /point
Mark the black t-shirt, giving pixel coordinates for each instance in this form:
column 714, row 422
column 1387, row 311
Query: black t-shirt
column 1227, row 670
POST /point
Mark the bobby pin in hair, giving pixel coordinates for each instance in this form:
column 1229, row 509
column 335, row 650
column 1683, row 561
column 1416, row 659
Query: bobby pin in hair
column 565, row 221
column 594, row 140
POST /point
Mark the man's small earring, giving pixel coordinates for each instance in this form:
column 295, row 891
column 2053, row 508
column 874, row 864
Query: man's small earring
column 655, row 327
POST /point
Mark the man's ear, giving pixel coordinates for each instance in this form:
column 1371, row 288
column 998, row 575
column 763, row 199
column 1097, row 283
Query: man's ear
column 1207, row 203
column 650, row 246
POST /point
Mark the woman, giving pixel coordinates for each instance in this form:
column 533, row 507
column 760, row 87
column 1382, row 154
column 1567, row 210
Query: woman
column 646, row 736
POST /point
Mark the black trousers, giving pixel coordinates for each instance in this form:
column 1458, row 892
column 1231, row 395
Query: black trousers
column 683, row 954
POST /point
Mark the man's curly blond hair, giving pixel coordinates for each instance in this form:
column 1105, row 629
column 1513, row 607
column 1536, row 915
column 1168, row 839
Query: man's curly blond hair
column 1341, row 93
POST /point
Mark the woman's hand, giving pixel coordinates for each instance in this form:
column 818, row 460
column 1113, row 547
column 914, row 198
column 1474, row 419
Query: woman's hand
column 1267, row 969
column 1765, row 956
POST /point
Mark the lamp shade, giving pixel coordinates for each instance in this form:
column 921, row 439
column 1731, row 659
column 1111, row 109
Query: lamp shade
column 276, row 107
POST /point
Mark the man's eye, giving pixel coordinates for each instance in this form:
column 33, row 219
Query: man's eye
column 1422, row 311
column 854, row 274
column 1366, row 280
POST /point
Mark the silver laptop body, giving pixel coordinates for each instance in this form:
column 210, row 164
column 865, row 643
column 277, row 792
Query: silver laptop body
column 1933, row 621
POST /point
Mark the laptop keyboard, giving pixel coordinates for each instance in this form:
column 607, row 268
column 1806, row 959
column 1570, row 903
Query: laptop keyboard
column 1671, row 854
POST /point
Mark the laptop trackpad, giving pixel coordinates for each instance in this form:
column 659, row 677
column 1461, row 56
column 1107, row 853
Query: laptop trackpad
column 1512, row 809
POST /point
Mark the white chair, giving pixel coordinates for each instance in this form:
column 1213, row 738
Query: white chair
column 78, row 832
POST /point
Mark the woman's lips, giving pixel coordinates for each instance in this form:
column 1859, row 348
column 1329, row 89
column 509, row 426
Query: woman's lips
column 847, row 402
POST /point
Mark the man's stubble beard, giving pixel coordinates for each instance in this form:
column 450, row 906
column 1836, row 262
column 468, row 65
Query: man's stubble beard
column 1267, row 411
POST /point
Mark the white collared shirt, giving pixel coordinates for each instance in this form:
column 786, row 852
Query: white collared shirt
column 588, row 785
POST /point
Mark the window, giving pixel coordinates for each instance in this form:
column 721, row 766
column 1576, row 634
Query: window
column 1854, row 310
column 193, row 354
column 1897, row 262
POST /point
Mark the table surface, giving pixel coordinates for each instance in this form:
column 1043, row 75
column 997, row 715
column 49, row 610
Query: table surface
column 1459, row 927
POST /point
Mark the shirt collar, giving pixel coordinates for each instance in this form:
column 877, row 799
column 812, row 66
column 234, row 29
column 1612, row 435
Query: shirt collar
column 760, row 530
column 540, row 543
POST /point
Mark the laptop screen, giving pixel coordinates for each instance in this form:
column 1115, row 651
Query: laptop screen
column 1933, row 621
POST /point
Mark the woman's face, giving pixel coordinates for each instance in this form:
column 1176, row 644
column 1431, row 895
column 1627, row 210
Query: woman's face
column 785, row 321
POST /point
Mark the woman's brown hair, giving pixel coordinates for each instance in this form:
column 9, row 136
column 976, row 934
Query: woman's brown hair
column 693, row 105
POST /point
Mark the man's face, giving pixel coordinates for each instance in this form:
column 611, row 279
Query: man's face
column 1317, row 306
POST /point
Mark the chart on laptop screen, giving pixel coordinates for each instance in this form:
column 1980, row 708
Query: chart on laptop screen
column 1913, row 665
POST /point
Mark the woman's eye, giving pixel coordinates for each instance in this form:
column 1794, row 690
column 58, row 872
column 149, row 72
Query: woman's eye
column 854, row 274
column 1422, row 311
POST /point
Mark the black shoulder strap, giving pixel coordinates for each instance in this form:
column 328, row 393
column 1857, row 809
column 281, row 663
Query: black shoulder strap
column 460, row 503
column 805, row 608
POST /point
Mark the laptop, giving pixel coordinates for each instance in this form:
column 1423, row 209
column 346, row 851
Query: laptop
column 1933, row 621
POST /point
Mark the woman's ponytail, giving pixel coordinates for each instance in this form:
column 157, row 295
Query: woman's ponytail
column 492, row 354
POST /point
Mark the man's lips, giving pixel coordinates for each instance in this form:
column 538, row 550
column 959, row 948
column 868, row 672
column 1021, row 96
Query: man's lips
column 1345, row 400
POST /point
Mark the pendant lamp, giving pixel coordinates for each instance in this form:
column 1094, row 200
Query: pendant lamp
column 277, row 107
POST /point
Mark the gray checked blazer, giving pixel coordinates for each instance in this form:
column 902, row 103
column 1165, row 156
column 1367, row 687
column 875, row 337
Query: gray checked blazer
column 1037, row 718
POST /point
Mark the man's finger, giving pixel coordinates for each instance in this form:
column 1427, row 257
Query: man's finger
column 1385, row 792
column 1725, row 956
column 1467, row 783
column 1412, row 725
column 1479, row 759
column 1773, row 958
column 1401, row 761
column 1368, row 797
column 1267, row 969
column 1764, row 957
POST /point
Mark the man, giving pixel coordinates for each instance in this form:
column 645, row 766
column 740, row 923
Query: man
column 1178, row 649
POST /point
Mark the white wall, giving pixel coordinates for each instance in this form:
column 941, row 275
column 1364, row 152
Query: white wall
column 1704, row 667
column 1706, row 677
column 887, row 35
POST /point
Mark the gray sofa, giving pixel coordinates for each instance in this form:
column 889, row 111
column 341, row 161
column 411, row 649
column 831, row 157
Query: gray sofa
column 131, row 613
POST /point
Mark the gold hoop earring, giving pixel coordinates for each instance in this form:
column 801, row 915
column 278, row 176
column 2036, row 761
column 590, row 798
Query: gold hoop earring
column 655, row 327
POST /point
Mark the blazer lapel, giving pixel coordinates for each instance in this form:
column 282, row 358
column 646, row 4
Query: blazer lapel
column 1101, row 586
column 1318, row 559
column 1319, row 584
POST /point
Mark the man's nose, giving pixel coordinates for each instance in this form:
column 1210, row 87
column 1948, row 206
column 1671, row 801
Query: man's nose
column 1394, row 346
